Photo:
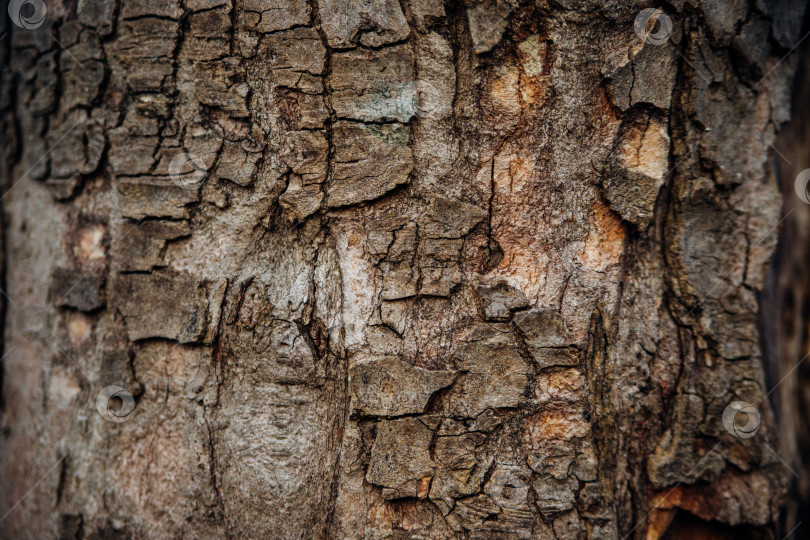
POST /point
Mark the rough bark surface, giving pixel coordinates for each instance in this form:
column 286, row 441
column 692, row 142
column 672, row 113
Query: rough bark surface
column 389, row 269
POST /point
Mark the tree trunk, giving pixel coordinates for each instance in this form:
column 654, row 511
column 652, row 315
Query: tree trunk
column 416, row 269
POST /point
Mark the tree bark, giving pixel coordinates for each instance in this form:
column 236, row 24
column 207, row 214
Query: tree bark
column 416, row 269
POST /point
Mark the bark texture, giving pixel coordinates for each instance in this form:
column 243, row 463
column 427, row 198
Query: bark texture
column 391, row 269
column 787, row 297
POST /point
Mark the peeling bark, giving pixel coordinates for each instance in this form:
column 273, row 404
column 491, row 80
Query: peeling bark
column 394, row 269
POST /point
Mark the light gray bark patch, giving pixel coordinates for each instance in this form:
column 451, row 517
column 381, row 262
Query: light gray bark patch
column 274, row 15
column 674, row 460
column 374, row 85
column 237, row 165
column 542, row 328
column 306, row 153
column 487, row 20
column 98, row 15
column 499, row 300
column 276, row 440
column 300, row 201
column 222, row 84
column 297, row 50
column 723, row 17
column 256, row 334
column 709, row 267
column 370, row 160
column 400, row 460
column 372, row 23
column 399, row 280
column 81, row 146
column 459, row 472
column 494, row 375
column 131, row 154
column 554, row 495
column 160, row 306
column 154, row 196
column 449, row 218
column 76, row 289
column 649, row 77
column 392, row 387
column 140, row 246
column 170, row 9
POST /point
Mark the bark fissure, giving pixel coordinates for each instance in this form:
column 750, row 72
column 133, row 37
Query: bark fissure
column 390, row 268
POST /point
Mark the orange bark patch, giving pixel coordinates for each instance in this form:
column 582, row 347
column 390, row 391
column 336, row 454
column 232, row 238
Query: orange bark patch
column 658, row 523
column 504, row 90
column 645, row 149
column 423, row 488
column 555, row 424
column 91, row 243
column 605, row 241
column 535, row 59
column 80, row 328
column 727, row 499
column 524, row 263
column 87, row 244
column 689, row 498
column 564, row 385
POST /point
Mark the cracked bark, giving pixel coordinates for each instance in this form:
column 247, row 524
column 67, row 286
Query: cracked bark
column 399, row 269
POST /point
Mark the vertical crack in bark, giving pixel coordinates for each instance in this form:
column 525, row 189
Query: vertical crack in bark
column 315, row 18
